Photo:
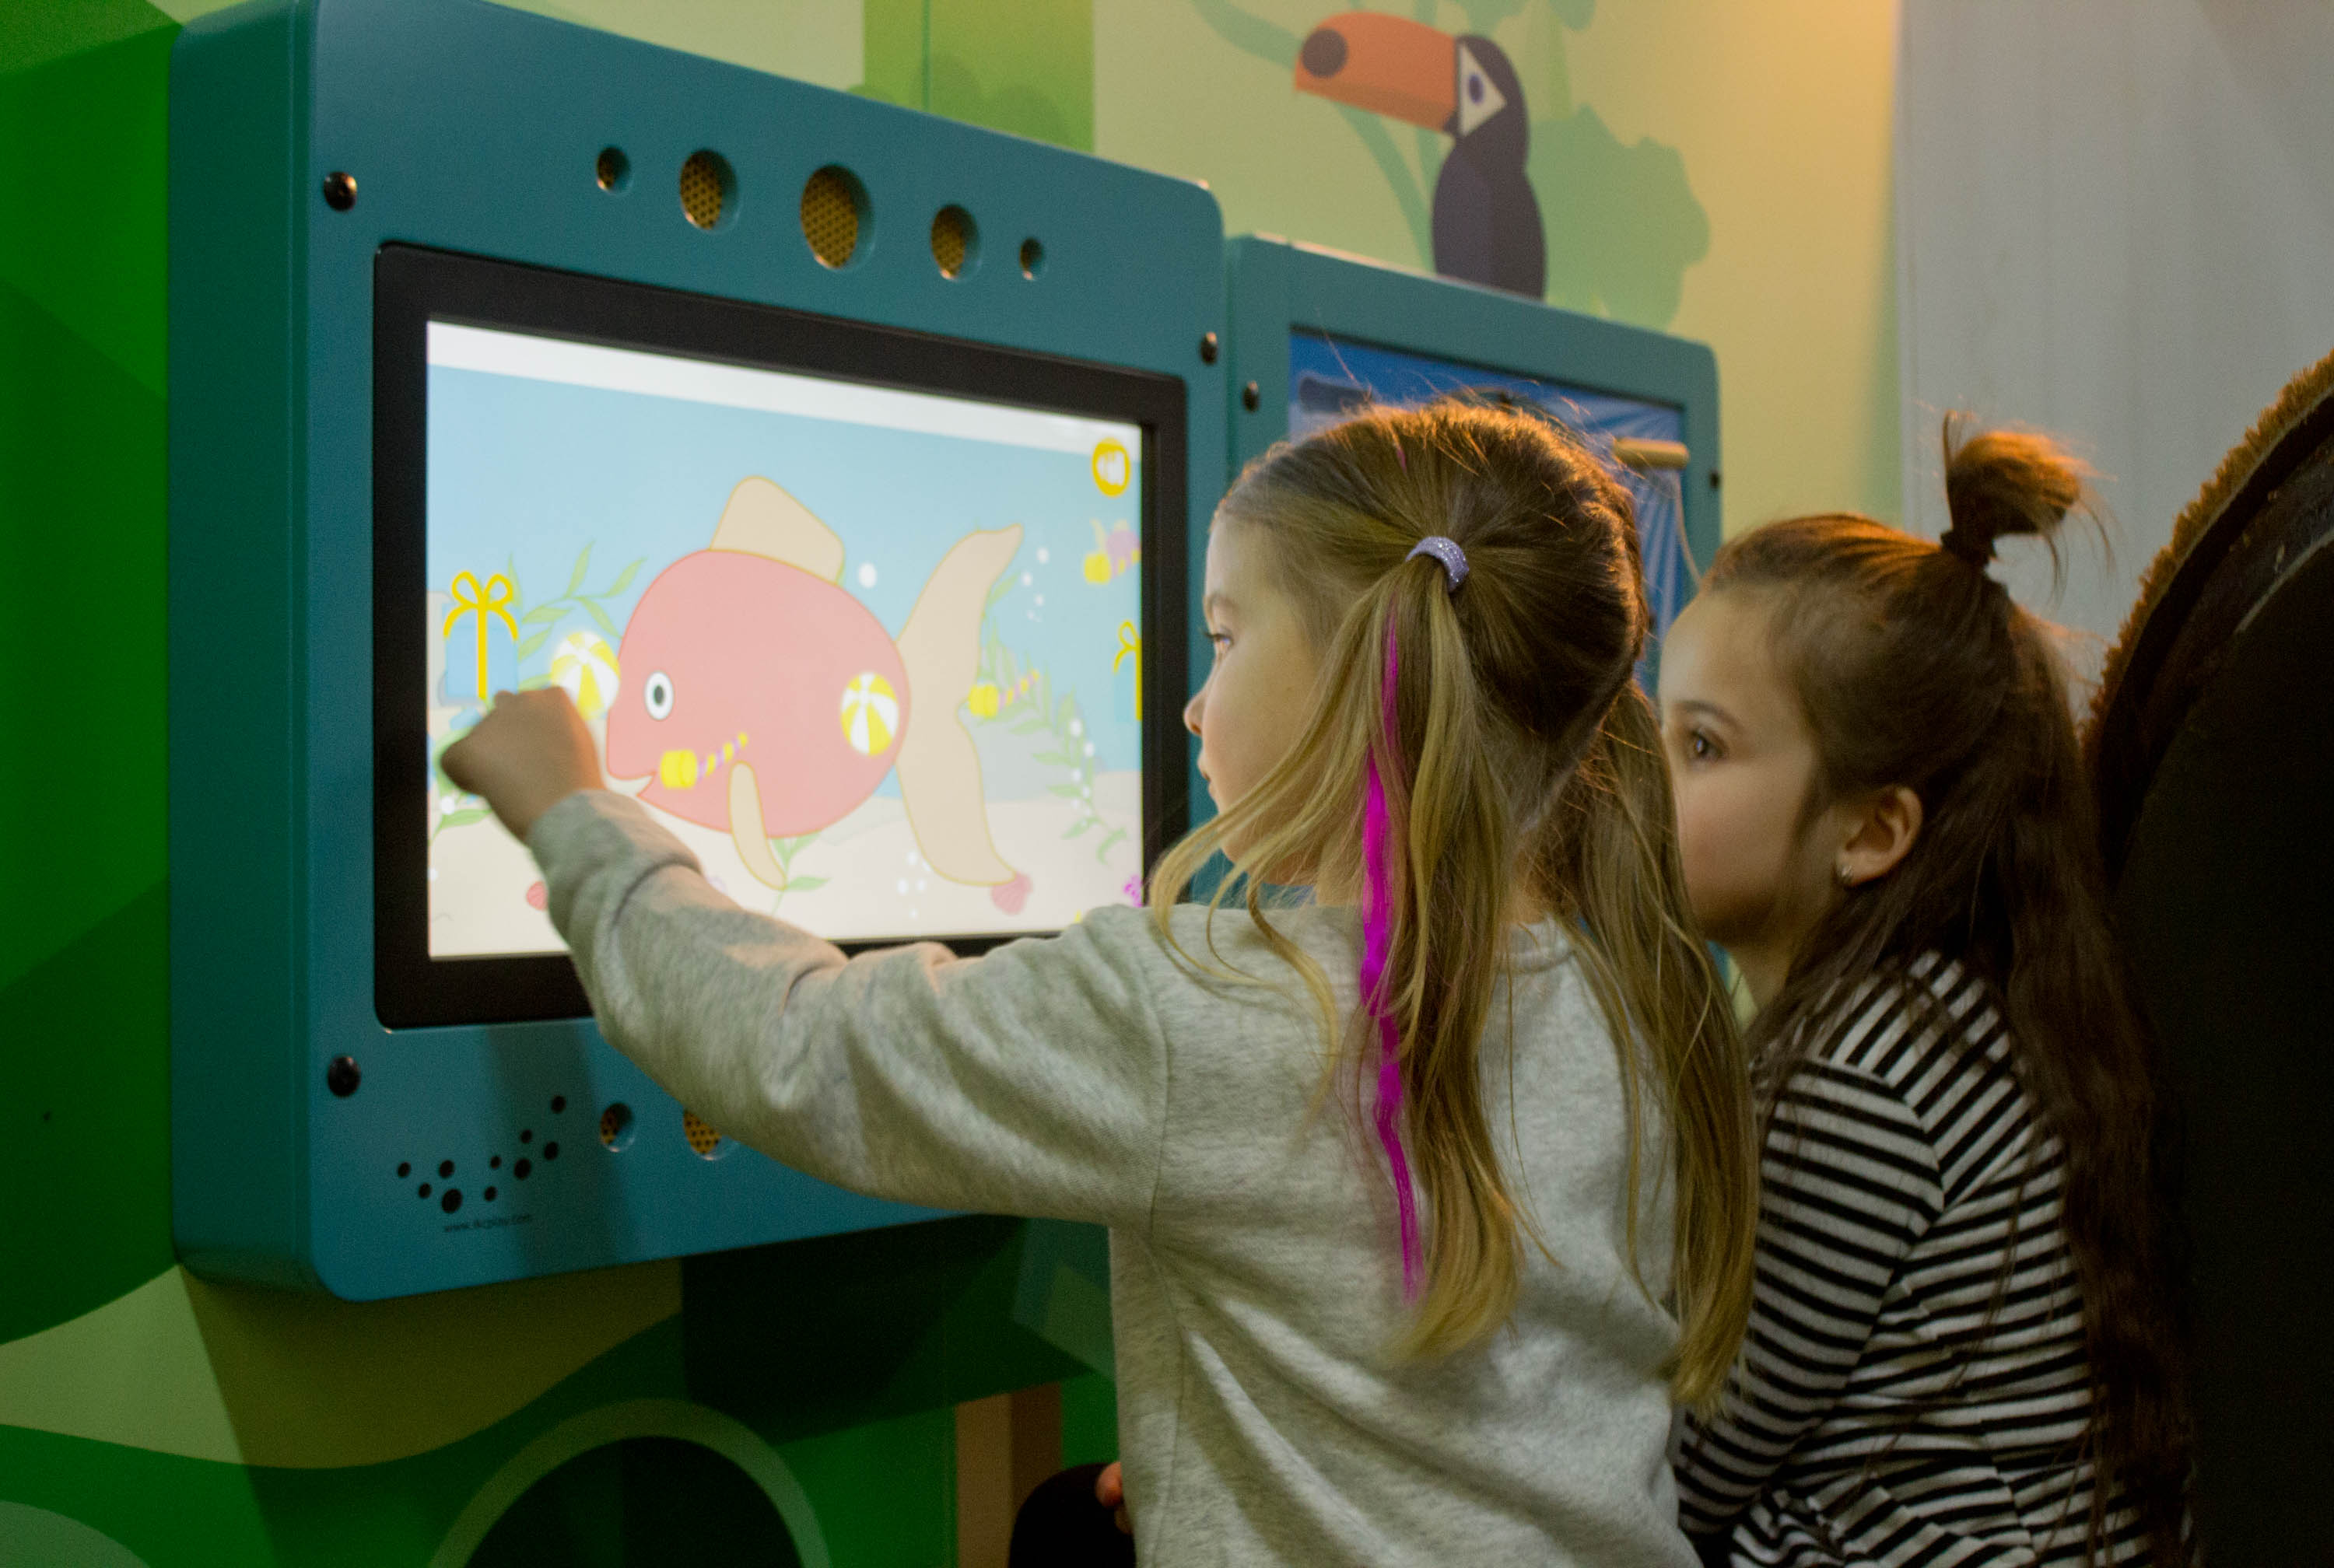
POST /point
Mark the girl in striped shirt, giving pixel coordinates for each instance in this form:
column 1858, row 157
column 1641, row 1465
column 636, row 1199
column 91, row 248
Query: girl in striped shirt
column 1964, row 1345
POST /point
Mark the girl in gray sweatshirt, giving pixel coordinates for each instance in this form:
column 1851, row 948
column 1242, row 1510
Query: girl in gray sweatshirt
column 1425, row 1197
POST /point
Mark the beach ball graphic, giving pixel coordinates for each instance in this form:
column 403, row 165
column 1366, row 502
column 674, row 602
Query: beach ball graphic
column 871, row 713
column 584, row 667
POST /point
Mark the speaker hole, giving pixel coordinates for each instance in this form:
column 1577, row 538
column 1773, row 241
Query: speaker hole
column 956, row 242
column 1033, row 257
column 704, row 1138
column 834, row 213
column 612, row 169
column 709, row 190
column 616, row 1127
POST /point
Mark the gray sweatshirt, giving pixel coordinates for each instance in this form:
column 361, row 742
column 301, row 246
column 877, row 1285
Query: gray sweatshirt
column 1255, row 1275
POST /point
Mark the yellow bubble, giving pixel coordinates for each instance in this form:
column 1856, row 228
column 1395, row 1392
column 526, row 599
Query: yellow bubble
column 677, row 770
column 982, row 699
column 1097, row 567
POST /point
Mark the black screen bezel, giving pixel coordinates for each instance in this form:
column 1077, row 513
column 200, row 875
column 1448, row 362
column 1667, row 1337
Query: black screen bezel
column 414, row 286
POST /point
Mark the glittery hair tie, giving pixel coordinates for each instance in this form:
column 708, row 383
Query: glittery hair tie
column 1447, row 551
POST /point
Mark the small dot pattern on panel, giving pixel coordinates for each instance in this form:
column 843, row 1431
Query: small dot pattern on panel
column 702, row 1135
column 952, row 241
column 829, row 215
column 705, row 188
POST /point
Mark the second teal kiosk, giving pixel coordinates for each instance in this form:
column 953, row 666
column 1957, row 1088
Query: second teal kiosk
column 1317, row 335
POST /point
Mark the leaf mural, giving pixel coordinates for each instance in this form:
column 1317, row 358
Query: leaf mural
column 1632, row 268
column 1620, row 222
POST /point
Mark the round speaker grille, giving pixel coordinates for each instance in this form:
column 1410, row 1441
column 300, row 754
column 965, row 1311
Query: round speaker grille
column 703, row 1137
column 831, row 210
column 617, row 1125
column 955, row 241
column 706, row 185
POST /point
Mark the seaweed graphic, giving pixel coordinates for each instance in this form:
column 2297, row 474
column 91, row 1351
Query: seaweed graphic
column 787, row 849
column 1016, row 684
column 546, row 617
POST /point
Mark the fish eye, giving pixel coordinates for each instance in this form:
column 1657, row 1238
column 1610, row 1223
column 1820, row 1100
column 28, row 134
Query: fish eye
column 658, row 694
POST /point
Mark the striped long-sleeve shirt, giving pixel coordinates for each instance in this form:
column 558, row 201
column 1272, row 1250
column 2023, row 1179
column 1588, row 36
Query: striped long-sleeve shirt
column 1914, row 1388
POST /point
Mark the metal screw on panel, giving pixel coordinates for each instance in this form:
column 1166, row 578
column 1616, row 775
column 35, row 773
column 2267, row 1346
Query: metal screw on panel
column 1251, row 396
column 340, row 190
column 1208, row 349
column 341, row 1077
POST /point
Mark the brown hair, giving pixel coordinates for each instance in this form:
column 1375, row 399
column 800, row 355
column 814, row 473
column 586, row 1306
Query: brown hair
column 1913, row 667
column 1520, row 754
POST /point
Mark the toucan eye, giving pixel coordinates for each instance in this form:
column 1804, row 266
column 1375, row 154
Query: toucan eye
column 1479, row 99
column 658, row 694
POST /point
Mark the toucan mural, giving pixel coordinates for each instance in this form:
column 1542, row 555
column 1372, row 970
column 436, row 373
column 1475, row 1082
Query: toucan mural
column 1486, row 222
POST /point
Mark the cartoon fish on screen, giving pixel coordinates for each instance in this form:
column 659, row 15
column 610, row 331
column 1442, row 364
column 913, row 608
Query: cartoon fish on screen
column 762, row 699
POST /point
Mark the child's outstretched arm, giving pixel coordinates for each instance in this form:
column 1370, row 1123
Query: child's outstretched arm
column 1031, row 1080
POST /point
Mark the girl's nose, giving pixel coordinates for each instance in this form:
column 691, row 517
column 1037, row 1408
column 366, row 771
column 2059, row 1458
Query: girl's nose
column 1191, row 710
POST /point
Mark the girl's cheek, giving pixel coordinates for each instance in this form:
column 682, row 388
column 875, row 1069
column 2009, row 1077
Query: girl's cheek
column 1720, row 849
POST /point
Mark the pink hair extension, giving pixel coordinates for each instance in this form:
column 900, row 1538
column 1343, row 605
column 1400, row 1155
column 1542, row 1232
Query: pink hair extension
column 1377, row 938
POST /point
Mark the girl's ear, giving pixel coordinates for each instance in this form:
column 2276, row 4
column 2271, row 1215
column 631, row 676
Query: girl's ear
column 1880, row 834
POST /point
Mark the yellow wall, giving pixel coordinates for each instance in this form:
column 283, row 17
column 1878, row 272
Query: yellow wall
column 1784, row 113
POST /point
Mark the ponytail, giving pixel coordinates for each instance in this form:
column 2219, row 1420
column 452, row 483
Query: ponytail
column 1611, row 842
column 1457, row 752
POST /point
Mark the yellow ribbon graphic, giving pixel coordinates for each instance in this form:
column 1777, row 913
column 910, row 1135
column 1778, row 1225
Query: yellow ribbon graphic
column 1129, row 641
column 468, row 601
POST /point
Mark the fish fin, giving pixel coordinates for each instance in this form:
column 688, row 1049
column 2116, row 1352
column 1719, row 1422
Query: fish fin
column 761, row 519
column 940, row 771
column 745, row 829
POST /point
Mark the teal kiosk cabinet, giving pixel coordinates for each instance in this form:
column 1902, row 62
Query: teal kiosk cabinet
column 1316, row 335
column 794, row 434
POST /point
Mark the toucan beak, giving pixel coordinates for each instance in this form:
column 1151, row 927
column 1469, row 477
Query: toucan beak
column 1386, row 64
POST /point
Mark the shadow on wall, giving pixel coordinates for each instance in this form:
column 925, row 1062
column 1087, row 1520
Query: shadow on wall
column 641, row 1500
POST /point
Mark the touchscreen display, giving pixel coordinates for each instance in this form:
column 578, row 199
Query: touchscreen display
column 874, row 655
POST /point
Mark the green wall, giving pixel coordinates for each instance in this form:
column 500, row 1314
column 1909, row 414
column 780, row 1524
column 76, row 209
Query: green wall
column 147, row 1416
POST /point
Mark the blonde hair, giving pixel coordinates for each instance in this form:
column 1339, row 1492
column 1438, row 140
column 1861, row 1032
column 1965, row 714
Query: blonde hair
column 1516, row 753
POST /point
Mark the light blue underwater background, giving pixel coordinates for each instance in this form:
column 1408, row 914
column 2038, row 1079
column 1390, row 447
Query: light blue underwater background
column 523, row 474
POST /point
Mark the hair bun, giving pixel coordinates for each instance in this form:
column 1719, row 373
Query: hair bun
column 2004, row 481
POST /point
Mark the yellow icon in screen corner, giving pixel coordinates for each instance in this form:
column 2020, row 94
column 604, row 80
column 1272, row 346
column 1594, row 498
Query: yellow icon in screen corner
column 1113, row 470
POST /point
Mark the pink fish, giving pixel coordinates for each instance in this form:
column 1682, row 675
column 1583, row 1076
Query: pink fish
column 761, row 698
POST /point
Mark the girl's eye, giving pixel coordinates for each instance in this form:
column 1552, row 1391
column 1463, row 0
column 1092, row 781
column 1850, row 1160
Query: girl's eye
column 1221, row 641
column 1700, row 746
